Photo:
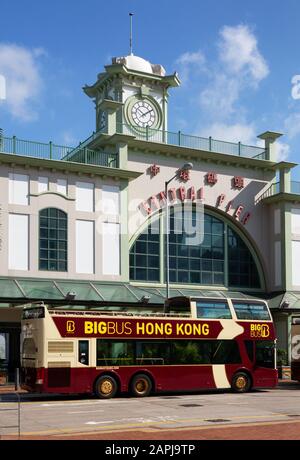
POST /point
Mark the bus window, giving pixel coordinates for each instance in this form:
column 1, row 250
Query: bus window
column 226, row 352
column 246, row 310
column 83, row 352
column 214, row 310
column 205, row 352
column 187, row 352
column 265, row 353
column 152, row 353
column 114, row 353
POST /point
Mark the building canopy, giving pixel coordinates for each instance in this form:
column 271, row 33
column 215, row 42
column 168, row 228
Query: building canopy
column 95, row 294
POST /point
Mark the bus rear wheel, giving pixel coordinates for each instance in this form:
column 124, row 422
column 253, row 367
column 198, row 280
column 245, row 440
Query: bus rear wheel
column 141, row 385
column 106, row 387
column 241, row 382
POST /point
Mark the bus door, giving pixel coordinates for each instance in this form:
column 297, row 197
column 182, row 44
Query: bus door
column 265, row 360
column 265, row 353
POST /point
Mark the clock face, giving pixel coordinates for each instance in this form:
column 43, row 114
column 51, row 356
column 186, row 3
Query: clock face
column 144, row 114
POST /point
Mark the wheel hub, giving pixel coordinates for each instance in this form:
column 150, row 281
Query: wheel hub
column 241, row 382
column 140, row 386
column 106, row 387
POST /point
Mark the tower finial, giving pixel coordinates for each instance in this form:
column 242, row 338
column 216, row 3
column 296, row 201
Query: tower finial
column 130, row 41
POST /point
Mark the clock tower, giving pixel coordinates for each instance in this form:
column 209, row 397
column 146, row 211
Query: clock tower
column 135, row 92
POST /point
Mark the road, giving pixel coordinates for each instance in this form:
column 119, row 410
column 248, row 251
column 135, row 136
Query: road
column 185, row 416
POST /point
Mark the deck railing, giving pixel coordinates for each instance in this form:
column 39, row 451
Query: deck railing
column 83, row 154
column 194, row 142
column 50, row 151
column 35, row 149
column 274, row 189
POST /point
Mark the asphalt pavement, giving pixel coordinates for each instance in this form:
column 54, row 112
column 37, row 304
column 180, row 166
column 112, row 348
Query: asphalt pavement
column 259, row 415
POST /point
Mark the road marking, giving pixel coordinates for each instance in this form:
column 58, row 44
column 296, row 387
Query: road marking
column 66, row 404
column 99, row 423
column 85, row 411
column 155, row 419
column 93, row 403
column 70, row 403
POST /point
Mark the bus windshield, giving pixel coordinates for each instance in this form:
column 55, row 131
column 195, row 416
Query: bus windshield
column 251, row 311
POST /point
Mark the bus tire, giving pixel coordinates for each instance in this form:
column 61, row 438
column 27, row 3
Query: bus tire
column 141, row 385
column 241, row 382
column 106, row 387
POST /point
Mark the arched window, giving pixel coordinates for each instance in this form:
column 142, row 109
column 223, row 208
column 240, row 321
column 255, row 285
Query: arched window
column 53, row 250
column 218, row 257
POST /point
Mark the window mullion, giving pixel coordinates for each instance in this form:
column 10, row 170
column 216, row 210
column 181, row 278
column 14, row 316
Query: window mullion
column 225, row 255
column 162, row 252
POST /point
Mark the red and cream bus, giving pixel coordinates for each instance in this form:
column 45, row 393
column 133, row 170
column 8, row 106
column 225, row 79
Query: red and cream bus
column 202, row 343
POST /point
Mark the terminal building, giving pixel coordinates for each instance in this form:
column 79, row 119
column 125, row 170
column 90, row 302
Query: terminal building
column 86, row 227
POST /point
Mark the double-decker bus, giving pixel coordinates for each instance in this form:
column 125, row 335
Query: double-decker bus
column 201, row 343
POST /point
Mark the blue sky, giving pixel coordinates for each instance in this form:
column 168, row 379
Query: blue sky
column 236, row 61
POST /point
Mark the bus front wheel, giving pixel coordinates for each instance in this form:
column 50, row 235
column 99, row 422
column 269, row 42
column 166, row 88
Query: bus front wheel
column 241, row 382
column 106, row 387
column 141, row 385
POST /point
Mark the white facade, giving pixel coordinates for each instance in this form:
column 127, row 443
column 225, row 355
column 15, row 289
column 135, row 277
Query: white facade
column 92, row 206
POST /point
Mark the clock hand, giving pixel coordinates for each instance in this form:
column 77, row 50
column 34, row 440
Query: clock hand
column 151, row 110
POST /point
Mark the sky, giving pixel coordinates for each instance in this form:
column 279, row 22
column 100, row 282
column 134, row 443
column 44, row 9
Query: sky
column 238, row 62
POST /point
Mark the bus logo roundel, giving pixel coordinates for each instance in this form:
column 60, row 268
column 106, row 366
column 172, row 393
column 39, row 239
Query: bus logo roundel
column 70, row 327
column 259, row 330
column 265, row 330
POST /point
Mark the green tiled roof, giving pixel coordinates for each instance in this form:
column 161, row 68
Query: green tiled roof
column 98, row 294
column 22, row 290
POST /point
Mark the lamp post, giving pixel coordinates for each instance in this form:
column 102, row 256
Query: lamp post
column 185, row 167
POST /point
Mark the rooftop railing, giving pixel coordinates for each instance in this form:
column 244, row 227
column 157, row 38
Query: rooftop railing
column 50, row 151
column 194, row 142
column 93, row 157
column 274, row 189
column 83, row 154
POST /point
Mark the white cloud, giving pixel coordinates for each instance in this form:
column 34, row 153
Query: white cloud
column 282, row 151
column 2, row 88
column 292, row 125
column 219, row 98
column 240, row 66
column 238, row 51
column 69, row 139
column 238, row 132
column 190, row 61
column 19, row 66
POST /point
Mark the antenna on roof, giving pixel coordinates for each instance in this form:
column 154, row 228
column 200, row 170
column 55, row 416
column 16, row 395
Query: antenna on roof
column 130, row 40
